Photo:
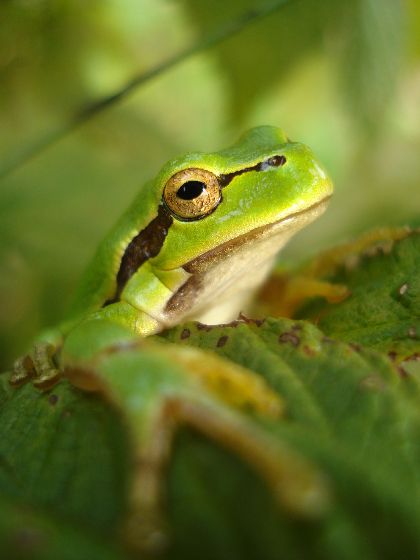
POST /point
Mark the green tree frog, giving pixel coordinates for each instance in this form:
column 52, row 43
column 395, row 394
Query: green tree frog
column 196, row 243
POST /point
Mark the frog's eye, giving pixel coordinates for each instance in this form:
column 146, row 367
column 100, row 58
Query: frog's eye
column 192, row 193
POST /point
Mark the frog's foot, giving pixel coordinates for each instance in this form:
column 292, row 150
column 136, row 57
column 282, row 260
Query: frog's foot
column 284, row 294
column 39, row 367
column 23, row 370
column 293, row 481
column 347, row 255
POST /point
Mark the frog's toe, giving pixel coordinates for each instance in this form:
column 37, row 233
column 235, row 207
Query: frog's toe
column 46, row 371
column 47, row 378
column 23, row 370
column 39, row 367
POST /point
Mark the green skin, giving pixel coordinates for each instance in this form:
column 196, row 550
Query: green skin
column 161, row 386
column 259, row 210
column 251, row 200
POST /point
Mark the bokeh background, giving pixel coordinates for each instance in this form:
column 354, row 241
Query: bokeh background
column 341, row 76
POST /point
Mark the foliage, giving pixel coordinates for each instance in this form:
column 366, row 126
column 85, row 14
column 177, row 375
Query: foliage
column 341, row 76
column 389, row 269
column 351, row 411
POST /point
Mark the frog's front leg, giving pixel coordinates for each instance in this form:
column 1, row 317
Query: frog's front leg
column 125, row 314
column 40, row 366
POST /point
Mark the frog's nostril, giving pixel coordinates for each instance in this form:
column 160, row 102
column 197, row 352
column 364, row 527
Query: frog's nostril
column 276, row 161
column 273, row 161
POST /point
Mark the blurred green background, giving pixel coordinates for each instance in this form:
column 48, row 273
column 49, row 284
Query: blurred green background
column 341, row 76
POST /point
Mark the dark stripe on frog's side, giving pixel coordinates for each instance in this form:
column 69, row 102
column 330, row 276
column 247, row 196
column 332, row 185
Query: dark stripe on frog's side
column 141, row 248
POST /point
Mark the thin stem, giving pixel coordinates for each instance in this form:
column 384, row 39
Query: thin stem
column 222, row 33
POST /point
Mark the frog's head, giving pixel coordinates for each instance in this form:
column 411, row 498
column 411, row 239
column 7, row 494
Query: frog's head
column 232, row 210
column 261, row 182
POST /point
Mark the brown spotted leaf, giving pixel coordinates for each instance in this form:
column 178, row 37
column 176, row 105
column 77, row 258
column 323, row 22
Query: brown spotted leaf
column 349, row 410
column 351, row 413
column 365, row 292
column 64, row 468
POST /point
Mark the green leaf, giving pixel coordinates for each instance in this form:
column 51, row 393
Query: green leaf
column 370, row 57
column 263, row 56
column 364, row 37
column 383, row 308
column 351, row 414
column 48, row 439
column 349, row 411
column 30, row 534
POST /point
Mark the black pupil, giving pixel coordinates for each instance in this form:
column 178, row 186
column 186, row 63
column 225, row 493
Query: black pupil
column 190, row 190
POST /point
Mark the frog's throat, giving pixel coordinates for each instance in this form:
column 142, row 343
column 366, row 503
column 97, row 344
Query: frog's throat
column 200, row 267
column 221, row 252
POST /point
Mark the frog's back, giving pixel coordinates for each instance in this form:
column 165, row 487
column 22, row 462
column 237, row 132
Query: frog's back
column 98, row 283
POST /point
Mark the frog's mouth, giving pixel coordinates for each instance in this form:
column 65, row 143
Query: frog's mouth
column 245, row 255
column 289, row 225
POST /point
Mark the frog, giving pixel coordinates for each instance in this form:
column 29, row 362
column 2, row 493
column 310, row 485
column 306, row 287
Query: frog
column 197, row 243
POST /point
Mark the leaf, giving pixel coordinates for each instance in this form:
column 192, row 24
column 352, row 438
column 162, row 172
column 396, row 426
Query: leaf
column 28, row 533
column 370, row 57
column 364, row 37
column 57, row 435
column 263, row 56
column 383, row 308
column 351, row 414
column 349, row 411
